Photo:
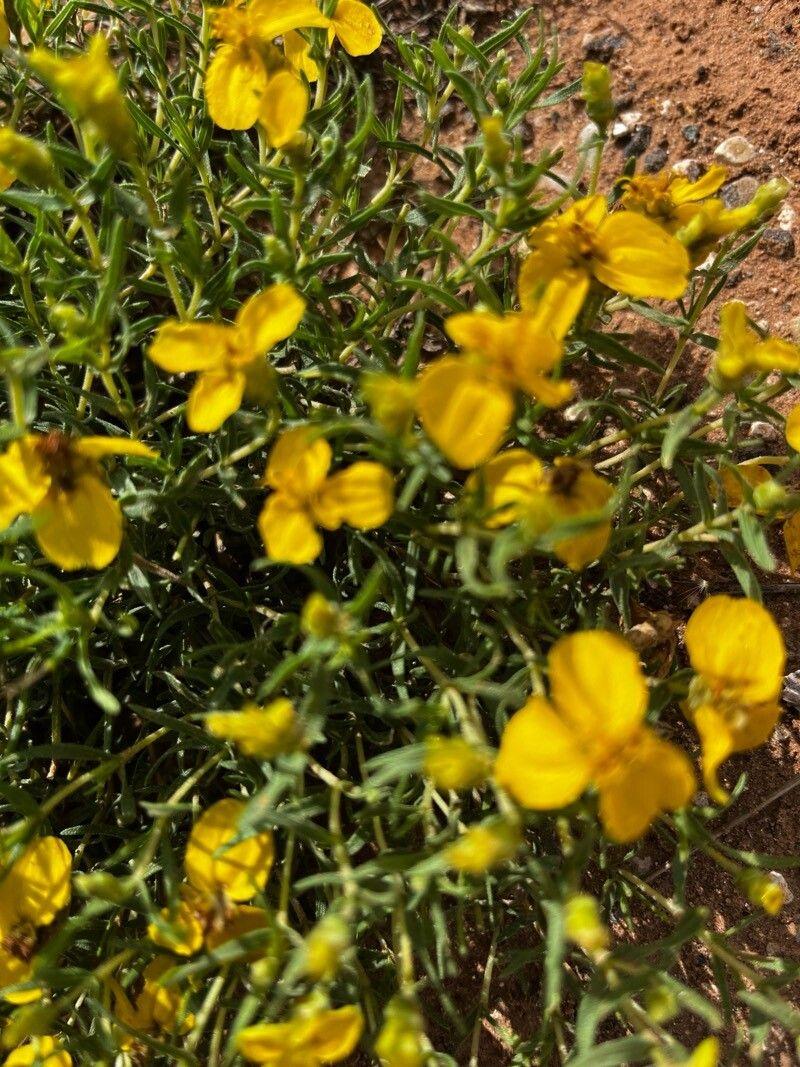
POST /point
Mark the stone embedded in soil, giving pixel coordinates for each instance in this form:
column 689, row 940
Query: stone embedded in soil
column 778, row 243
column 689, row 168
column 655, row 160
column 625, row 123
column 785, row 218
column 740, row 192
column 735, row 149
column 691, row 133
column 602, row 46
column 639, row 140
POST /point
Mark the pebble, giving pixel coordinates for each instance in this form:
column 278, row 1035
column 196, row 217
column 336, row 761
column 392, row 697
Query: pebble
column 691, row 133
column 776, row 876
column 639, row 139
column 666, row 107
column 764, row 430
column 587, row 134
column 739, row 192
column 785, row 218
column 736, row 150
column 778, row 243
column 625, row 123
column 689, row 168
column 655, row 160
column 602, row 46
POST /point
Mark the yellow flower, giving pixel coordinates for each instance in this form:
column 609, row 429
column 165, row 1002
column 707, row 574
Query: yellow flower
column 401, row 1040
column 58, row 481
column 705, row 1055
column 668, row 197
column 307, row 496
column 89, row 85
column 453, row 763
column 483, row 846
column 35, row 889
column 741, row 351
column 466, row 403
column 793, row 428
column 391, row 400
column 326, row 1036
column 42, row 1051
column 230, row 358
column 516, row 487
column 584, row 925
column 248, row 81
column 157, row 1006
column 219, row 878
column 261, row 732
column 738, row 655
column 356, row 27
column 324, row 948
column 592, row 730
column 22, row 157
column 624, row 250
column 763, row 890
column 321, row 618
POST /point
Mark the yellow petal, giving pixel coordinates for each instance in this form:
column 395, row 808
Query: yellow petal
column 793, row 428
column 717, row 743
column 80, row 526
column 299, row 463
column 298, row 52
column 215, row 396
column 15, row 971
column 189, row 346
column 752, row 474
column 735, row 644
column 40, row 881
column 185, row 934
column 42, row 1051
column 274, row 18
column 652, row 776
column 634, row 255
column 163, row 1003
column 357, row 27
column 541, row 761
column 682, row 191
column 262, row 732
column 505, row 484
column 267, row 1043
column 576, row 492
column 241, row 870
column 284, row 107
column 288, row 531
column 463, row 412
column 791, row 540
column 268, row 317
column 553, row 292
column 333, row 1035
column 706, row 1054
column 243, row 919
column 737, row 340
column 361, row 495
column 597, row 685
column 773, row 353
column 236, row 82
column 476, row 331
column 24, row 481
column 391, row 401
column 98, row 447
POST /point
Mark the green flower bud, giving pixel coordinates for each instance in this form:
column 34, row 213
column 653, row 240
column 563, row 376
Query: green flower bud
column 584, row 924
column 596, row 88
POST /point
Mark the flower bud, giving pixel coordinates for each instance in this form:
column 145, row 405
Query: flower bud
column 26, row 159
column 391, row 401
column 495, row 146
column 596, row 88
column 769, row 496
column 661, row 1003
column 770, row 196
column 584, row 924
column 453, row 763
column 401, row 1040
column 103, row 886
column 321, row 618
column 484, row 846
column 766, row 891
column 324, row 948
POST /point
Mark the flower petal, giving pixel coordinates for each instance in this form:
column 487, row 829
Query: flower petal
column 541, row 761
column 298, row 52
column 268, row 317
column 41, row 880
column 361, row 495
column 634, row 255
column 284, row 107
column 597, row 685
column 298, row 463
column 236, row 83
column 81, row 526
column 505, row 484
column 244, row 919
column 190, row 346
column 213, row 399
column 717, row 743
column 654, row 776
column 357, row 27
column 464, row 413
column 333, row 1035
column 552, row 292
column 241, row 870
column 275, row 18
column 288, row 532
column 269, row 1043
column 24, row 481
column 735, row 644
column 98, row 447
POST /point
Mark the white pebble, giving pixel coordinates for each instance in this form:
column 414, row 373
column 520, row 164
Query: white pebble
column 736, row 149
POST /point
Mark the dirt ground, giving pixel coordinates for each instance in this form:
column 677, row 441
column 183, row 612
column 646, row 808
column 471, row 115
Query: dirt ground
column 696, row 75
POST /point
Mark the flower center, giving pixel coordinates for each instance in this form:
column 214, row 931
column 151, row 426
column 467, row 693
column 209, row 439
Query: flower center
column 20, row 942
column 58, row 459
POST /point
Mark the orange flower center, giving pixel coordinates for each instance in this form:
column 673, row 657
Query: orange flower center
column 21, row 940
column 59, row 460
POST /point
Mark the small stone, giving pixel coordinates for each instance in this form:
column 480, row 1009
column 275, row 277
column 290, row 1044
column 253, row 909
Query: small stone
column 736, row 150
column 764, row 430
column 778, row 243
column 666, row 107
column 639, row 139
column 791, row 689
column 655, row 160
column 691, row 133
column 739, row 192
column 588, row 134
column 788, row 895
column 785, row 218
column 602, row 46
column 625, row 123
column 689, row 168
